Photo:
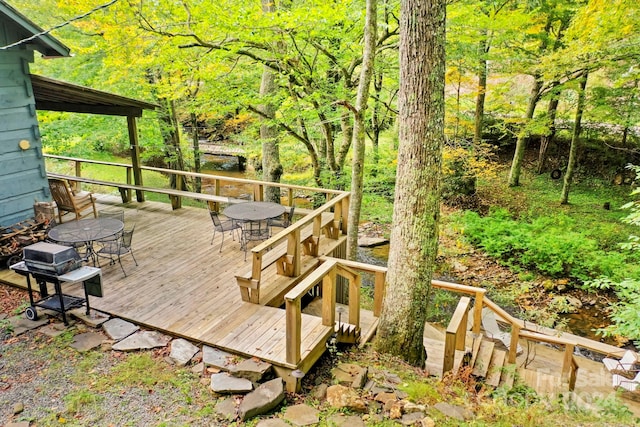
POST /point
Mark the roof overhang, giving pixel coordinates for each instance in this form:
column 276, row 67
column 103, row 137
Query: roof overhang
column 56, row 95
column 46, row 44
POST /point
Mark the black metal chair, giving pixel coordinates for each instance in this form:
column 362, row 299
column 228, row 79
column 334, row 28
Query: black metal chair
column 222, row 225
column 115, row 214
column 284, row 220
column 253, row 231
column 117, row 248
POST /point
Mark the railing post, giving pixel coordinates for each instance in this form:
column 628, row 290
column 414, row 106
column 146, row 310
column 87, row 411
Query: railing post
column 329, row 298
column 378, row 293
column 78, row 167
column 477, row 312
column 129, row 174
column 354, row 299
column 294, row 326
column 513, row 346
column 567, row 362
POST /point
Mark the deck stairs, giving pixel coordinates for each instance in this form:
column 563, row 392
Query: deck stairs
column 486, row 358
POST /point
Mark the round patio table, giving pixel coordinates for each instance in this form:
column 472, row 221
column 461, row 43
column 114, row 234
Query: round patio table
column 86, row 231
column 254, row 211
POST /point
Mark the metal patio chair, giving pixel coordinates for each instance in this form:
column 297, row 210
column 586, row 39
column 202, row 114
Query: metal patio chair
column 222, row 226
column 116, row 249
column 284, row 220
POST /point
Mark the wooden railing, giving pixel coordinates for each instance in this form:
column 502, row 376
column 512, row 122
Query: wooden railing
column 304, row 237
column 258, row 187
column 327, row 274
column 456, row 333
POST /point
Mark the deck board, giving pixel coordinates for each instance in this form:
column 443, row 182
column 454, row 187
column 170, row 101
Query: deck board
column 186, row 287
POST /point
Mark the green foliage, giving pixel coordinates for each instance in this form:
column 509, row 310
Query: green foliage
column 556, row 246
column 77, row 399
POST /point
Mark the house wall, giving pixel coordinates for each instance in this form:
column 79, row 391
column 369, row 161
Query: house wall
column 23, row 178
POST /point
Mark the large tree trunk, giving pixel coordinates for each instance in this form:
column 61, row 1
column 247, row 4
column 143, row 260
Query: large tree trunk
column 195, row 137
column 523, row 135
column 483, row 49
column 575, row 141
column 414, row 233
column 546, row 139
column 357, row 168
column 271, row 166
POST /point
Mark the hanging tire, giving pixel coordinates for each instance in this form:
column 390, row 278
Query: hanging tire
column 31, row 313
column 556, row 174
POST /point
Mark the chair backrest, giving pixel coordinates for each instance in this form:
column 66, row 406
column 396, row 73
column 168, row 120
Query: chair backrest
column 127, row 237
column 215, row 218
column 61, row 193
column 293, row 208
column 116, row 214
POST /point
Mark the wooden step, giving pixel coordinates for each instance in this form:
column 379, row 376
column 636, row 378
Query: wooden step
column 495, row 367
column 483, row 359
column 347, row 333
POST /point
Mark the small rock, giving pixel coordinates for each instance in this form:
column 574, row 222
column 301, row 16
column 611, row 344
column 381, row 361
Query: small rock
column 340, row 397
column 395, row 410
column 427, row 422
column 273, row 422
column 411, row 407
column 384, row 397
column 218, row 358
column 144, row 340
column 460, row 413
column 319, row 392
column 347, row 373
column 226, row 408
column 198, row 369
column 414, row 418
column 18, row 408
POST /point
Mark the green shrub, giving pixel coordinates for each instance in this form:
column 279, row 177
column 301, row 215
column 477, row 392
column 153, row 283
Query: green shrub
column 555, row 246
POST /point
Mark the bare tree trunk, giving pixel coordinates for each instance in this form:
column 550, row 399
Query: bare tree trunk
column 575, row 141
column 195, row 137
column 357, row 166
column 483, row 49
column 271, row 166
column 416, row 211
column 523, row 135
column 546, row 139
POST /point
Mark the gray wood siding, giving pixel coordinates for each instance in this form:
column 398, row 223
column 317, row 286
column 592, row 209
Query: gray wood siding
column 23, row 179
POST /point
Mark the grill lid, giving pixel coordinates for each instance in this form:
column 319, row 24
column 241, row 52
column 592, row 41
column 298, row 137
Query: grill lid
column 51, row 258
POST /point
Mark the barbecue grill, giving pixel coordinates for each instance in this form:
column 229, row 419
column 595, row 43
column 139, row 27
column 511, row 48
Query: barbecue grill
column 56, row 264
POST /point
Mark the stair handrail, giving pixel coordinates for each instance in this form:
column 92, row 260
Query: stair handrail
column 456, row 333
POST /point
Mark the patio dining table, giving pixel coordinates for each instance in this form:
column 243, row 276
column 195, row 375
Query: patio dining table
column 86, row 231
column 254, row 211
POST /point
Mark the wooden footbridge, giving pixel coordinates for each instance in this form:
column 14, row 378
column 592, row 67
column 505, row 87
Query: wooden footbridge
column 186, row 287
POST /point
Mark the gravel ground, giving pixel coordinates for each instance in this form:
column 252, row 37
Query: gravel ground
column 56, row 385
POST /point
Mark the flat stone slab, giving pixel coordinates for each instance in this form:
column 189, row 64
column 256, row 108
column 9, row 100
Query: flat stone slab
column 53, row 329
column 218, row 358
column 370, row 242
column 273, row 422
column 144, row 340
column 118, row 329
column 341, row 420
column 182, row 351
column 262, row 400
column 224, row 383
column 454, row 411
column 93, row 319
column 302, row 415
column 20, row 324
column 252, row 369
column 87, row 341
column 226, row 409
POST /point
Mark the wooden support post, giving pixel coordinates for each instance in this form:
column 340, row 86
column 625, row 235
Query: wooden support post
column 294, row 326
column 126, row 193
column 258, row 193
column 329, row 298
column 293, row 252
column 378, row 292
column 77, row 186
column 513, row 346
column 455, row 334
column 135, row 156
column 477, row 312
column 567, row 362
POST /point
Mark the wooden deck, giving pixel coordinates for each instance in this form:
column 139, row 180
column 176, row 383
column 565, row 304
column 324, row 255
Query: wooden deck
column 184, row 287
